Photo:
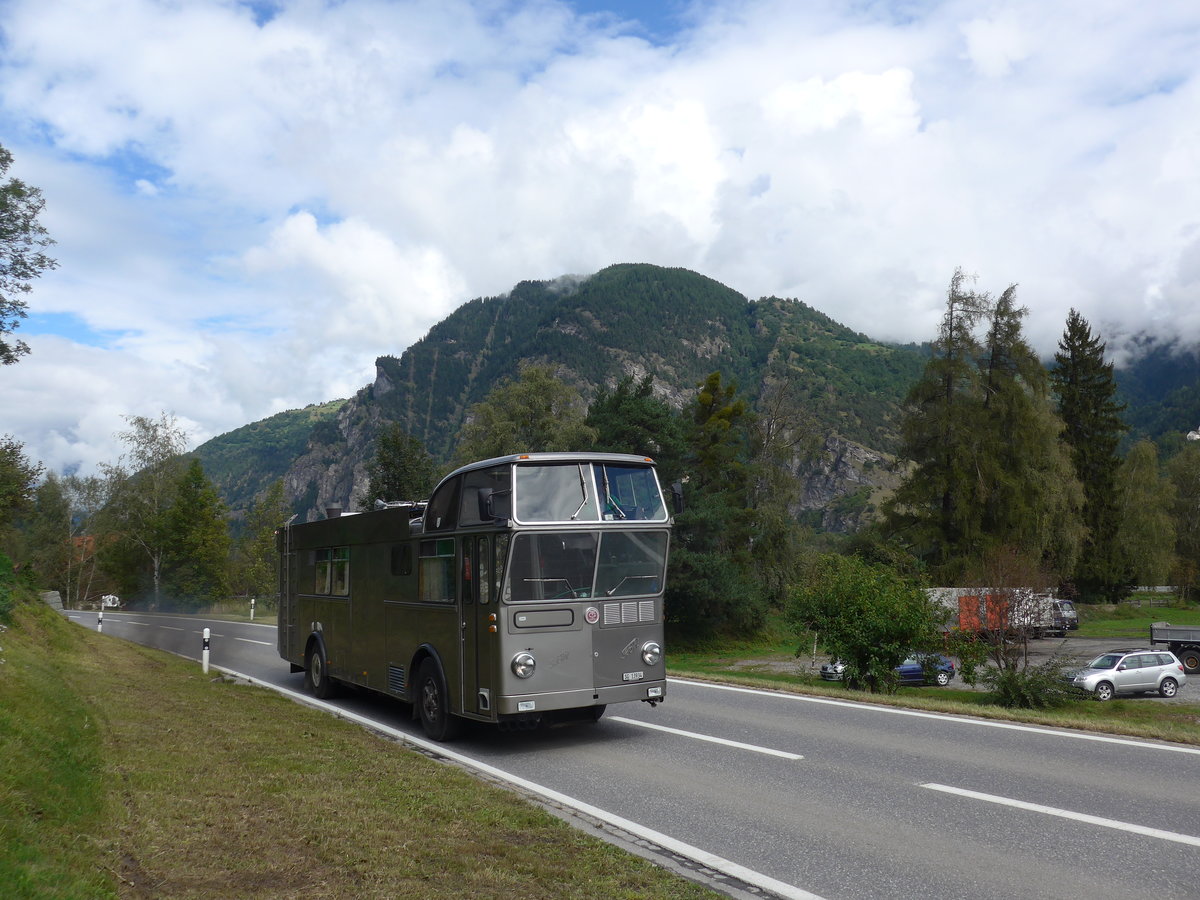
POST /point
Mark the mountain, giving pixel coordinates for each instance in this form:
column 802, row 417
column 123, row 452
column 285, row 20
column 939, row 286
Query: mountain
column 629, row 319
column 1161, row 390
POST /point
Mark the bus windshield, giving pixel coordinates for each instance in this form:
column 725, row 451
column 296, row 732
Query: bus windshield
column 584, row 564
column 587, row 492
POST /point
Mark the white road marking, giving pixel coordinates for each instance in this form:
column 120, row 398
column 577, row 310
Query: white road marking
column 944, row 717
column 248, row 641
column 1068, row 814
column 173, row 628
column 703, row 857
column 706, row 737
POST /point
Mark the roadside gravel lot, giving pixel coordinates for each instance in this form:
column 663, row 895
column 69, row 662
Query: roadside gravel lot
column 1075, row 649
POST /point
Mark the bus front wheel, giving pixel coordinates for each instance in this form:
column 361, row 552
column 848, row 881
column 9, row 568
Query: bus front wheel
column 433, row 704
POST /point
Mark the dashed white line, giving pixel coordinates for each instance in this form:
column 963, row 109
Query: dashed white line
column 754, row 748
column 1068, row 814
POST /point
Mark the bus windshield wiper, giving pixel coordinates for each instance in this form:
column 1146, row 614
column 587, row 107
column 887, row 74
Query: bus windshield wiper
column 608, row 495
column 583, row 488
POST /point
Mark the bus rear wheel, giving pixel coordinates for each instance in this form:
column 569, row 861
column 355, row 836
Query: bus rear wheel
column 316, row 674
column 433, row 704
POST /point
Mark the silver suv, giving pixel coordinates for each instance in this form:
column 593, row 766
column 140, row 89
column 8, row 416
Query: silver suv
column 1131, row 670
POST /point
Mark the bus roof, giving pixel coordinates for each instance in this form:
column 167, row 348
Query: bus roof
column 626, row 458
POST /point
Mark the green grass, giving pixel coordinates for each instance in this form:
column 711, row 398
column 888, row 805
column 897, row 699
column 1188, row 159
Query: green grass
column 126, row 772
column 1130, row 621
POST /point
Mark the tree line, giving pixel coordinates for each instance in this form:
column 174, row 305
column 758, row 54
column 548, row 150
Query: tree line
column 1010, row 475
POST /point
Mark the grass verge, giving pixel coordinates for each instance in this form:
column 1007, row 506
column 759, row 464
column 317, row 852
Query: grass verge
column 125, row 772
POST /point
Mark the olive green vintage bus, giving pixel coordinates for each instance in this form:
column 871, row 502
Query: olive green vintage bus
column 527, row 589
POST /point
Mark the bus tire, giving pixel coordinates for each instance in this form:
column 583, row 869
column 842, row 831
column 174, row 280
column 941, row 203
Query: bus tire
column 433, row 704
column 598, row 711
column 316, row 673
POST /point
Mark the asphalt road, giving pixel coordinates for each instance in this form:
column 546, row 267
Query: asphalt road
column 829, row 798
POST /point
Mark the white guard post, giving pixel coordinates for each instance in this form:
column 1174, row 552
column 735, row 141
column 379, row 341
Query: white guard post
column 251, row 609
column 204, row 653
column 100, row 619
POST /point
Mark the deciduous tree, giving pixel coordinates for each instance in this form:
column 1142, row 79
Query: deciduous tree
column 1145, row 540
column 143, row 490
column 536, row 412
column 18, row 480
column 23, row 240
column 256, row 564
column 866, row 615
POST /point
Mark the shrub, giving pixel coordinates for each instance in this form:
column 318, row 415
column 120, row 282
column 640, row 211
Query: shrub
column 1033, row 687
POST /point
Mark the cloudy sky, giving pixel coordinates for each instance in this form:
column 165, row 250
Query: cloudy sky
column 253, row 200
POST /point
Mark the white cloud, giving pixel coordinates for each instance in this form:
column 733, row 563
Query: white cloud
column 249, row 212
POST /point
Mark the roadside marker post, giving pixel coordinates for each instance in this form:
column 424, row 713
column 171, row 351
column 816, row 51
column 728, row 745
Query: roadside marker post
column 251, row 609
column 100, row 620
column 204, row 654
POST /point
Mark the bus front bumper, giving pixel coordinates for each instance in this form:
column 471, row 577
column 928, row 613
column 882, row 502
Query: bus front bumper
column 653, row 691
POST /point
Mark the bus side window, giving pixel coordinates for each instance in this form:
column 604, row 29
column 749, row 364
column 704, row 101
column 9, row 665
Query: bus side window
column 441, row 513
column 332, row 571
column 437, row 571
column 402, row 560
column 321, row 579
column 485, row 571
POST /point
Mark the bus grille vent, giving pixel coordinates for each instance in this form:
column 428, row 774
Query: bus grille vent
column 396, row 679
column 629, row 613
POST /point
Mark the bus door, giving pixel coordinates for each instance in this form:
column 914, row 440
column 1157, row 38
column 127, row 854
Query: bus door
column 479, row 624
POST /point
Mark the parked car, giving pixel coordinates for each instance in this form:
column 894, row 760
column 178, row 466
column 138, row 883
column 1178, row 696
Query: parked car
column 911, row 671
column 1130, row 670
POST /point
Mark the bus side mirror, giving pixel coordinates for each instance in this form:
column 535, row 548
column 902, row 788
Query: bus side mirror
column 494, row 504
column 677, row 496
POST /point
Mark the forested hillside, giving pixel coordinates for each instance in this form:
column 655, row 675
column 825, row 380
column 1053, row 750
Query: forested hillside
column 636, row 320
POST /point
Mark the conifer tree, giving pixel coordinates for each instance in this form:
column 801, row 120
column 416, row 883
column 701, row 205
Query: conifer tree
column 1029, row 495
column 987, row 467
column 1085, row 387
column 935, row 511
column 711, row 587
column 630, row 419
column 196, row 558
column 401, row 470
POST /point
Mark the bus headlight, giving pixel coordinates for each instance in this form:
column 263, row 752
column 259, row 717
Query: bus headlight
column 523, row 664
column 651, row 653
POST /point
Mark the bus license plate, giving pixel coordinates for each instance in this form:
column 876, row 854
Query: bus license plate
column 633, row 676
